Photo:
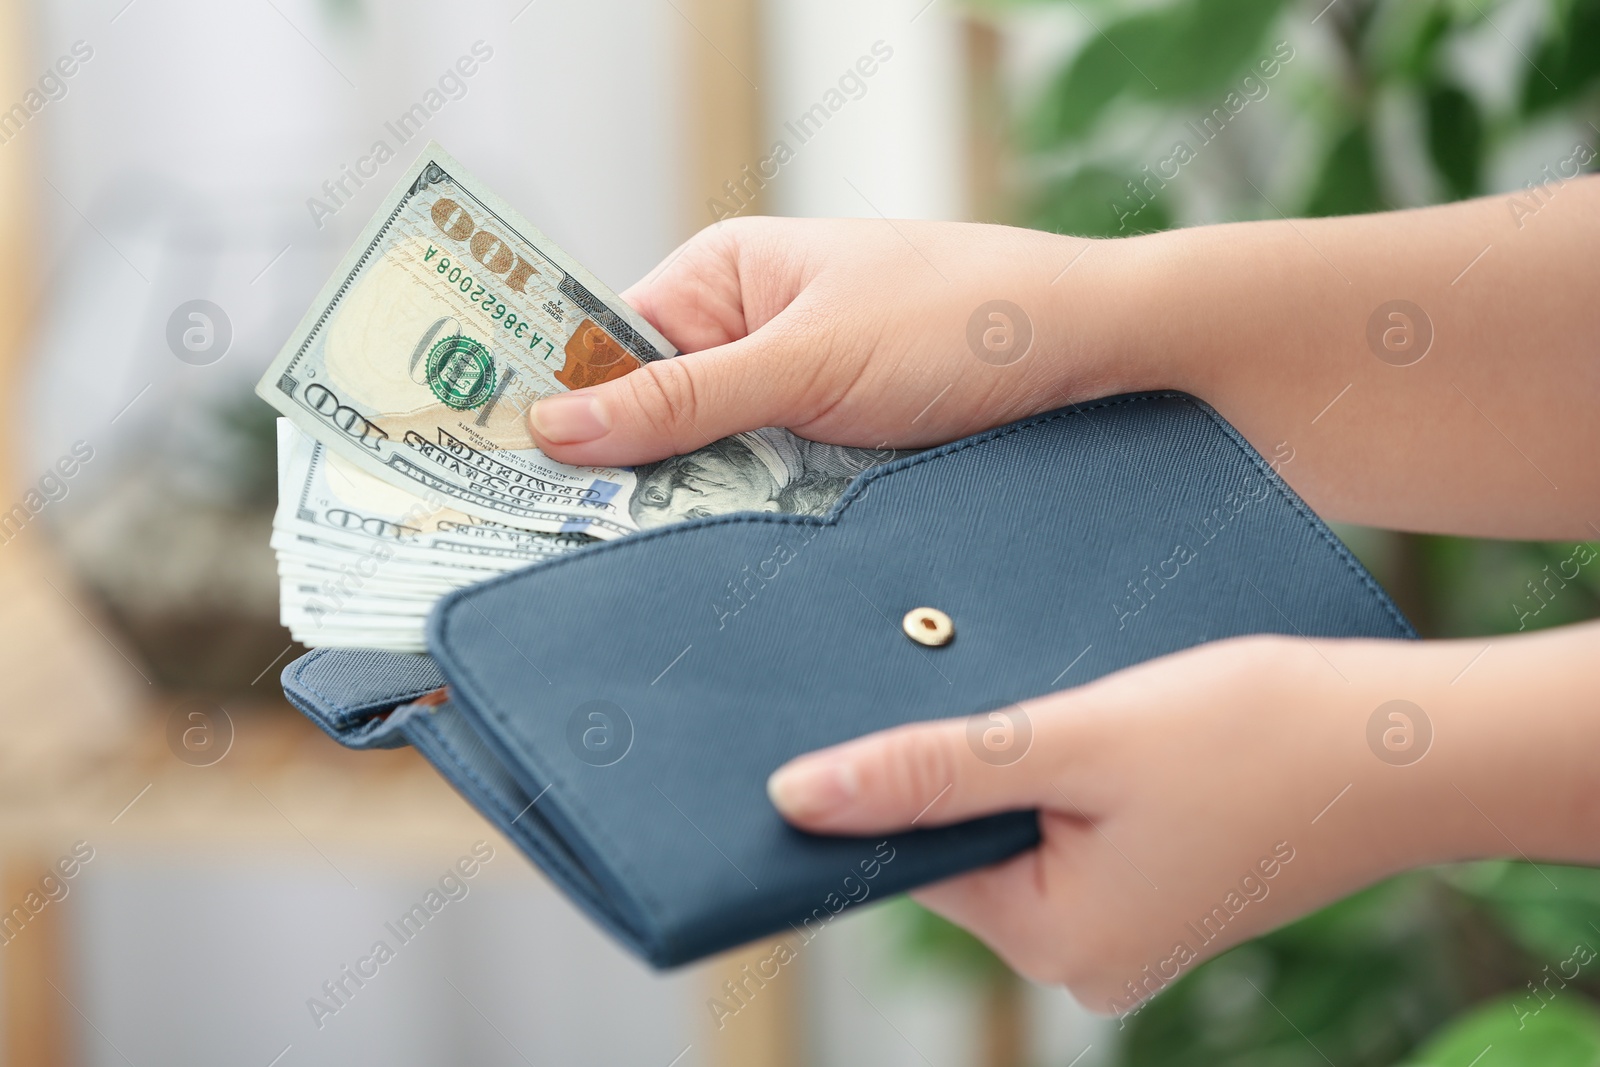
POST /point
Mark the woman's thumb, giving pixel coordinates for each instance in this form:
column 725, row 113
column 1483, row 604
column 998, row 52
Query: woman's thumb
column 915, row 776
column 670, row 406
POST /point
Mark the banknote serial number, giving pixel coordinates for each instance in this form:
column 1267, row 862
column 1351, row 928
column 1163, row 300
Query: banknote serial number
column 476, row 292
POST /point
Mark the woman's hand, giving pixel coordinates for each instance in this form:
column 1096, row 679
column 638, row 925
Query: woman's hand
column 853, row 332
column 879, row 333
column 1206, row 797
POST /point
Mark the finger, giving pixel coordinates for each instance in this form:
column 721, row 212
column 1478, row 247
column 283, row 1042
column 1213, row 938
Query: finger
column 695, row 296
column 727, row 281
column 673, row 406
column 924, row 774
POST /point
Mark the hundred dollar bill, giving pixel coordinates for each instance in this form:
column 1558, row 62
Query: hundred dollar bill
column 450, row 317
column 361, row 562
column 327, row 504
column 322, row 563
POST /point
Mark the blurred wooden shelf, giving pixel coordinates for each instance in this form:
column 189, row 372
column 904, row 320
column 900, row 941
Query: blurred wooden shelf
column 281, row 778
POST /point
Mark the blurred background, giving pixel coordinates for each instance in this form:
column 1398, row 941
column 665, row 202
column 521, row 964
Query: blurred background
column 157, row 152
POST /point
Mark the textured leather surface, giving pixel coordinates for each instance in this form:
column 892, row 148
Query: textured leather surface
column 452, row 745
column 1064, row 546
column 345, row 692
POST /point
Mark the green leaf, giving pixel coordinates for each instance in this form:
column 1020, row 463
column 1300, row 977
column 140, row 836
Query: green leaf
column 1196, row 48
column 1404, row 39
column 1096, row 202
column 1549, row 910
column 1567, row 61
column 1348, row 182
column 1106, row 67
column 1456, row 139
column 1509, row 1032
column 1220, row 44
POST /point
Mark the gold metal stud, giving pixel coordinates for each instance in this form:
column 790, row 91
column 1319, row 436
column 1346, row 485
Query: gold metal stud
column 928, row 626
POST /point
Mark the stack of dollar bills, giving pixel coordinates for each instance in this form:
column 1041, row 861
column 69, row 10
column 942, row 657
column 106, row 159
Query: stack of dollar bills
column 360, row 561
column 405, row 466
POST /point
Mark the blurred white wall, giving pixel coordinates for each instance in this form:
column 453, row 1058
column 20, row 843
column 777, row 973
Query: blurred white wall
column 189, row 957
column 182, row 158
column 896, row 145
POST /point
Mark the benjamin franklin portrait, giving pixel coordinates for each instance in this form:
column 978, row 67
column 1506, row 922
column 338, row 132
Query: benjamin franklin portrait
column 764, row 470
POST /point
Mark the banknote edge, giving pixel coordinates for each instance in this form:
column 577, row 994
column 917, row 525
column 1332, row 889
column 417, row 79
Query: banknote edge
column 361, row 247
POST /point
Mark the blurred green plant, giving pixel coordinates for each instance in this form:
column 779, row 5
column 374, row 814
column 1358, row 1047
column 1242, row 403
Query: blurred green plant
column 245, row 451
column 1367, row 80
column 347, row 11
column 1409, row 971
column 1438, row 967
column 1567, row 1036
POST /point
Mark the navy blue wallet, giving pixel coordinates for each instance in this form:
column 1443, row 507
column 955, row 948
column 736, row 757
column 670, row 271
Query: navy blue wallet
column 616, row 711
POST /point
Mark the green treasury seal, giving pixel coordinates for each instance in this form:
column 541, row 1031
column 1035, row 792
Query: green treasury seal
column 461, row 372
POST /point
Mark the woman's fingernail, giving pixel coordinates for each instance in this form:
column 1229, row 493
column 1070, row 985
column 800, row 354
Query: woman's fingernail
column 809, row 789
column 569, row 420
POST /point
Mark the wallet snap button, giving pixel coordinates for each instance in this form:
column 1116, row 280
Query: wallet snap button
column 928, row 626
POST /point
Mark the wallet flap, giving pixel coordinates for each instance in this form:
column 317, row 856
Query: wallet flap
column 449, row 742
column 649, row 685
column 347, row 692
